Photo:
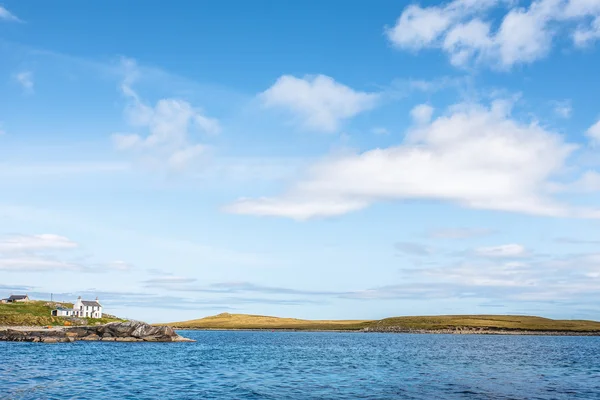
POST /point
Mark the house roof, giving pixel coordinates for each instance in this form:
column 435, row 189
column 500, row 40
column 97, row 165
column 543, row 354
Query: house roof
column 63, row 309
column 91, row 303
column 18, row 297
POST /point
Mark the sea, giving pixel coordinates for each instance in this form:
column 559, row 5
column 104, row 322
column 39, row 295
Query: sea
column 306, row 365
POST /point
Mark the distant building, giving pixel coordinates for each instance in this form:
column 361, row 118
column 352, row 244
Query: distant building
column 62, row 312
column 87, row 309
column 17, row 298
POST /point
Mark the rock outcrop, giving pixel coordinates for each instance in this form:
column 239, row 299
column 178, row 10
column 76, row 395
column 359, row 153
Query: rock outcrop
column 129, row 331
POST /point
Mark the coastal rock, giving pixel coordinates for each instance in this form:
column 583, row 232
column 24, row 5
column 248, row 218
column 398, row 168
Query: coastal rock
column 130, row 331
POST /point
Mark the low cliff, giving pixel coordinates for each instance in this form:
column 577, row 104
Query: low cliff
column 130, row 331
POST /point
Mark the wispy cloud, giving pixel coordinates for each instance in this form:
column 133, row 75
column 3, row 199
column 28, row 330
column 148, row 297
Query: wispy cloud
column 49, row 252
column 414, row 249
column 182, row 284
column 502, row 251
column 25, row 79
column 570, row 240
column 459, row 233
column 563, row 108
column 25, row 243
column 170, row 126
column 7, row 15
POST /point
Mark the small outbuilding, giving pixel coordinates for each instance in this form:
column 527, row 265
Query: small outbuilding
column 62, row 312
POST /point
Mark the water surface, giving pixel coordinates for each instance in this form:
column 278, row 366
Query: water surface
column 303, row 365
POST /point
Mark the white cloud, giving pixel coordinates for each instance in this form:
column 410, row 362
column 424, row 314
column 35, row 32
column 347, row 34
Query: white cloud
column 505, row 250
column 170, row 125
column 419, row 27
column 422, row 113
column 295, row 208
column 319, row 102
column 594, row 133
column 22, row 264
column 587, row 35
column 7, row 15
column 475, row 156
column 465, row 31
column 563, row 109
column 25, row 79
column 23, row 243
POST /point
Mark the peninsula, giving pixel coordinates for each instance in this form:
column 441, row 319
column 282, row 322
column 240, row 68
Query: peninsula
column 456, row 324
column 26, row 320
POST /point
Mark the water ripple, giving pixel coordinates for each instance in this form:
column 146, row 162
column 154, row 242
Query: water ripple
column 295, row 365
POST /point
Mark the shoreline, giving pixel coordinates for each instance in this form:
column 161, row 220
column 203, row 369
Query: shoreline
column 130, row 331
column 466, row 331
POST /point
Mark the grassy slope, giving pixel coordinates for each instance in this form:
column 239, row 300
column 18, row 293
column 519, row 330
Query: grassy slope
column 37, row 313
column 507, row 322
column 242, row 321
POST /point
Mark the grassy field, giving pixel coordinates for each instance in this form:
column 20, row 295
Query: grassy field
column 491, row 322
column 243, row 321
column 486, row 322
column 37, row 313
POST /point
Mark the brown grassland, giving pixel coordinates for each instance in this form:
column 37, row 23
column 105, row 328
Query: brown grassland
column 489, row 322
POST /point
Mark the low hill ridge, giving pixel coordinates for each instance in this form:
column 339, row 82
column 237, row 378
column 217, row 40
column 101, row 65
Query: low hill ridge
column 394, row 324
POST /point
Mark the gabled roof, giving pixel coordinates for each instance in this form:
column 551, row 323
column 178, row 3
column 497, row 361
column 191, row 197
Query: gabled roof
column 17, row 297
column 91, row 303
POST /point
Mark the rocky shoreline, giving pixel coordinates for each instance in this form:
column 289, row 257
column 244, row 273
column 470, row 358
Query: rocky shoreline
column 129, row 331
column 480, row 331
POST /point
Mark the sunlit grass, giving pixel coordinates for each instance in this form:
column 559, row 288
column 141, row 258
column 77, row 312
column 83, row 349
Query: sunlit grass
column 490, row 322
column 38, row 313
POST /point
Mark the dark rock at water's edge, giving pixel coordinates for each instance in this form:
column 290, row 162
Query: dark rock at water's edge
column 129, row 331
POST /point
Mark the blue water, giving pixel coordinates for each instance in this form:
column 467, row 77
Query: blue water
column 298, row 365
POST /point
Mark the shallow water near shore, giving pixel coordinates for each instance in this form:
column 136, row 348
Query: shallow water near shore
column 306, row 365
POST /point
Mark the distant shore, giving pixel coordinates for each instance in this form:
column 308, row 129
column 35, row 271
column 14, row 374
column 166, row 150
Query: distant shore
column 408, row 331
column 441, row 324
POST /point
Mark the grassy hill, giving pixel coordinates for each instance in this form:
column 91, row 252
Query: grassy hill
column 484, row 322
column 489, row 322
column 37, row 313
column 244, row 321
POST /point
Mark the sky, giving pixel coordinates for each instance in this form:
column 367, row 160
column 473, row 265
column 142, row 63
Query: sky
column 323, row 160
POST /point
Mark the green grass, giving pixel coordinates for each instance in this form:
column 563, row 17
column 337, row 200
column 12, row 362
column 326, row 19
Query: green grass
column 491, row 322
column 485, row 322
column 38, row 313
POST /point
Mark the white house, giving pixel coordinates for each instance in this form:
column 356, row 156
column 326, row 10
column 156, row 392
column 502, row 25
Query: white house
column 87, row 309
column 81, row 308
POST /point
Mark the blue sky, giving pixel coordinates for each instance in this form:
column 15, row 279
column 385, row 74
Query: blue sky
column 302, row 159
